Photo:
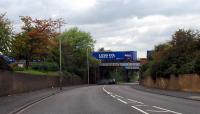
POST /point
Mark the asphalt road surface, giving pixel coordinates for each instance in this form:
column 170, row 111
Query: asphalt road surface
column 111, row 99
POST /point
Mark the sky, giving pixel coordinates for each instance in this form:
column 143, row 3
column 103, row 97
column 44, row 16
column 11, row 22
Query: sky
column 118, row 25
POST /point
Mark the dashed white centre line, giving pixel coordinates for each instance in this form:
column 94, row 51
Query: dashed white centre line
column 141, row 104
column 122, row 101
column 139, row 110
column 135, row 101
column 106, row 91
column 167, row 110
column 119, row 96
column 112, row 96
column 109, row 93
column 156, row 111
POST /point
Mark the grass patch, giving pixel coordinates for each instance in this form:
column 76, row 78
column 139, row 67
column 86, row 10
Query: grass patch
column 39, row 73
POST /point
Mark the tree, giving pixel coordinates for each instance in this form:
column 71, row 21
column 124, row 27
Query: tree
column 178, row 56
column 36, row 39
column 101, row 49
column 75, row 44
column 5, row 34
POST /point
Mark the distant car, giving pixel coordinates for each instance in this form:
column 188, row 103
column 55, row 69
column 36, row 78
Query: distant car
column 7, row 59
column 36, row 60
column 102, row 82
column 112, row 81
column 4, row 64
column 107, row 81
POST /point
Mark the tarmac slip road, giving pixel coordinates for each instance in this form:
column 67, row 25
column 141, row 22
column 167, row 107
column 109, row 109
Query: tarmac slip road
column 111, row 99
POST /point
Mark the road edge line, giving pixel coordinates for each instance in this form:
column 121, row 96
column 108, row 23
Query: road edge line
column 31, row 103
column 41, row 99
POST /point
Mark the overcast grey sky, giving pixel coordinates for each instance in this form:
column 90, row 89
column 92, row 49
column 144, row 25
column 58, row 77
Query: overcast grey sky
column 118, row 25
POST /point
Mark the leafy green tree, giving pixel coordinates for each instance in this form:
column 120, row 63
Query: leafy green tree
column 5, row 34
column 75, row 45
column 178, row 56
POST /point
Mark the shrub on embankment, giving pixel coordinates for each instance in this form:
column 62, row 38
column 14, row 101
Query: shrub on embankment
column 179, row 56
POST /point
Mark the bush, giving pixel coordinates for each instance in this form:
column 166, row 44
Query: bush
column 117, row 74
column 19, row 68
column 45, row 66
column 144, row 71
column 187, row 68
column 172, row 70
column 181, row 55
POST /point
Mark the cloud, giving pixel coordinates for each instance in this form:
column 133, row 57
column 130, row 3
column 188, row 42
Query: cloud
column 45, row 8
column 112, row 10
column 115, row 24
column 140, row 34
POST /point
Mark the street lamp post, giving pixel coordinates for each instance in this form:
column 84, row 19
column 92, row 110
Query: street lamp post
column 60, row 54
column 88, row 68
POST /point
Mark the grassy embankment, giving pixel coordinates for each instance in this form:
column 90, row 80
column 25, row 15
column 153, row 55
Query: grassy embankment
column 39, row 73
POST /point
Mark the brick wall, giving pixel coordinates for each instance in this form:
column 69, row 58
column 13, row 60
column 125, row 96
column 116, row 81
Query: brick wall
column 11, row 83
column 187, row 82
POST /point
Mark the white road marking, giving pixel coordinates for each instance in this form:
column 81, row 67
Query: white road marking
column 112, row 96
column 156, row 111
column 141, row 105
column 122, row 101
column 29, row 107
column 106, row 90
column 167, row 110
column 135, row 101
column 109, row 93
column 139, row 110
column 119, row 96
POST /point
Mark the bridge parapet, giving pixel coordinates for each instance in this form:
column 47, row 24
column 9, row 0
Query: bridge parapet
column 126, row 65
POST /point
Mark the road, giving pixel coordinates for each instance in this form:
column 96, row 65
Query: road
column 111, row 99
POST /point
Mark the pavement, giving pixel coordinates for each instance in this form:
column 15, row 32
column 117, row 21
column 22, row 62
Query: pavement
column 179, row 94
column 111, row 99
column 13, row 103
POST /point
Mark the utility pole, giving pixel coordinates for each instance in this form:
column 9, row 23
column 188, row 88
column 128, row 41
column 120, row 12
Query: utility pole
column 88, row 68
column 95, row 75
column 60, row 51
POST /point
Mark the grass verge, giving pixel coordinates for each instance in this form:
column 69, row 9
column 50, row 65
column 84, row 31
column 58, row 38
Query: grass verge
column 39, row 73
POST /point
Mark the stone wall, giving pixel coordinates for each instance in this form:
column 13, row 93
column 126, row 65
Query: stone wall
column 11, row 83
column 187, row 82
